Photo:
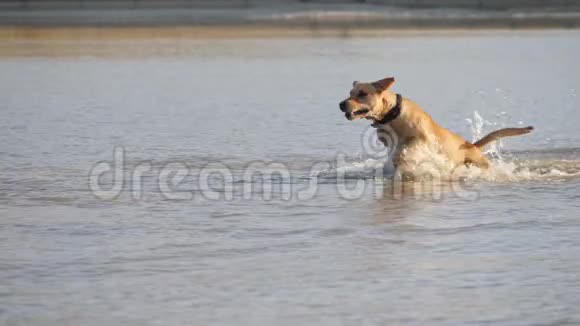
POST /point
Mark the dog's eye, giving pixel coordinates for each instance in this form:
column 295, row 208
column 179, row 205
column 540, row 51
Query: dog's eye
column 362, row 94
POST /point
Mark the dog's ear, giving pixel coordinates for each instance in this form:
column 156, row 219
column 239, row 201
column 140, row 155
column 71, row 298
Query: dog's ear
column 383, row 84
column 354, row 83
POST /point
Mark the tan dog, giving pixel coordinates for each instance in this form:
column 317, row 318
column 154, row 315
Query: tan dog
column 414, row 128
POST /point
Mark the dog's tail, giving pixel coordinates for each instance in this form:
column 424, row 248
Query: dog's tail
column 507, row 132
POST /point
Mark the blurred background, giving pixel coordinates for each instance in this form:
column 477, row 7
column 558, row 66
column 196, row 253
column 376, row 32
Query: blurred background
column 317, row 13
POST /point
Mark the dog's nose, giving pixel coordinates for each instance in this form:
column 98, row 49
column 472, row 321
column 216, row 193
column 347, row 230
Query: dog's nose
column 342, row 106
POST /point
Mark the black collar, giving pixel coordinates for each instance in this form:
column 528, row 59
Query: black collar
column 394, row 113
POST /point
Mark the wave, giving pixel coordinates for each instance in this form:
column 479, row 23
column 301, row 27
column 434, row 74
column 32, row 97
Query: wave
column 499, row 171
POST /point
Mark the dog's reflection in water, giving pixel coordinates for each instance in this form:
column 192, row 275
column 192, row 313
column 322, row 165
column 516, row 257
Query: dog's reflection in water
column 399, row 197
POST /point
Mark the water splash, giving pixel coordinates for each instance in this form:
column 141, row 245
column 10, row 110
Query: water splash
column 477, row 125
column 540, row 165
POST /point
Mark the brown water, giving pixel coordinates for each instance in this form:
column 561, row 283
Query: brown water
column 288, row 247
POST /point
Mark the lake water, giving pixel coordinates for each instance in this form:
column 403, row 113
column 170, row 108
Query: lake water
column 186, row 233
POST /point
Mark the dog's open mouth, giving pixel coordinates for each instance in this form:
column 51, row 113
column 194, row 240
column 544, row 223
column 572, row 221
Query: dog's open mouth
column 352, row 115
column 356, row 114
column 360, row 112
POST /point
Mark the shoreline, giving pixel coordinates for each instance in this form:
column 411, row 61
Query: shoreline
column 144, row 42
column 56, row 33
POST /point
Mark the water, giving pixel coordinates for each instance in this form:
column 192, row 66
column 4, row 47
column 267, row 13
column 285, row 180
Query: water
column 499, row 248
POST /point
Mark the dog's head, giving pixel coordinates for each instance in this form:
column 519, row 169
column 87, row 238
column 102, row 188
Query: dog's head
column 366, row 100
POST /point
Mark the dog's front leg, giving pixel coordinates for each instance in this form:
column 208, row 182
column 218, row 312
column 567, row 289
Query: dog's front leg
column 396, row 157
column 403, row 156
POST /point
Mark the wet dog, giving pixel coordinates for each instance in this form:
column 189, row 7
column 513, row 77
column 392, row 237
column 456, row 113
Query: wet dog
column 414, row 129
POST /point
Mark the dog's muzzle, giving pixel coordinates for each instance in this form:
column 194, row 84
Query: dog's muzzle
column 342, row 106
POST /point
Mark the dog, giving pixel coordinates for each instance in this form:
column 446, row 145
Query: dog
column 414, row 129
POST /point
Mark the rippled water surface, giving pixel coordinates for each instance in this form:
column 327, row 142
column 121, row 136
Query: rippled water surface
column 288, row 247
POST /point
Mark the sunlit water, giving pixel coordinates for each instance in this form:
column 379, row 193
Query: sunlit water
column 329, row 238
